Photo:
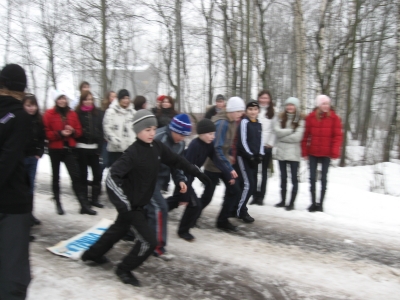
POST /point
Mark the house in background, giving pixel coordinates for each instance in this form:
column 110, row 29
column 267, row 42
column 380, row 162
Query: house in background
column 137, row 80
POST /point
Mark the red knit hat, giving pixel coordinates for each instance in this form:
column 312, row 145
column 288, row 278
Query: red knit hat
column 161, row 98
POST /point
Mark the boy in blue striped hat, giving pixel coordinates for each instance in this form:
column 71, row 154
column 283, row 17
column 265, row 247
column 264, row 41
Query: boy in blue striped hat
column 157, row 210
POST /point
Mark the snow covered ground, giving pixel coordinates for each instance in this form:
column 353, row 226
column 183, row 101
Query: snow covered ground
column 351, row 251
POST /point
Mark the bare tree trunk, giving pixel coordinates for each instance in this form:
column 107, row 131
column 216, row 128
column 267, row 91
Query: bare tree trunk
column 395, row 121
column 321, row 46
column 208, row 16
column 264, row 43
column 371, row 84
column 248, row 52
column 104, row 26
column 178, row 28
column 357, row 5
column 300, row 53
column 8, row 31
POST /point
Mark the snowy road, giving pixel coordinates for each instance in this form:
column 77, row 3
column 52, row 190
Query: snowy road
column 283, row 255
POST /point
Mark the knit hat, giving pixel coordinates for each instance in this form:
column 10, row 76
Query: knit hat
column 143, row 119
column 220, row 98
column 205, row 126
column 161, row 98
column 13, row 77
column 123, row 93
column 181, row 124
column 235, row 104
column 321, row 99
column 58, row 95
column 252, row 103
column 296, row 102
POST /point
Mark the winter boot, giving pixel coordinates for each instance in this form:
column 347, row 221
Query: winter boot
column 292, row 199
column 85, row 206
column 101, row 260
column 313, row 206
column 227, row 226
column 127, row 277
column 95, row 196
column 255, row 200
column 321, row 202
column 282, row 203
column 246, row 218
column 59, row 208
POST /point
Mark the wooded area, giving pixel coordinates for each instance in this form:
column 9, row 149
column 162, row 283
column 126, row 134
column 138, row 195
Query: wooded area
column 347, row 49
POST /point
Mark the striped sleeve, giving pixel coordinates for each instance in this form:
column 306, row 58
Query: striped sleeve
column 243, row 136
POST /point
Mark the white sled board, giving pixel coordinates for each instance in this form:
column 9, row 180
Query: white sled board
column 75, row 246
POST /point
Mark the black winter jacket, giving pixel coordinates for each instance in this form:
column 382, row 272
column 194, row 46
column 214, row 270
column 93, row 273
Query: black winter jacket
column 211, row 112
column 197, row 153
column 92, row 128
column 14, row 182
column 35, row 146
column 249, row 139
column 132, row 178
column 164, row 116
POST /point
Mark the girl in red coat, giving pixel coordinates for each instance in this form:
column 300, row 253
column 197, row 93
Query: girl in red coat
column 62, row 127
column 321, row 143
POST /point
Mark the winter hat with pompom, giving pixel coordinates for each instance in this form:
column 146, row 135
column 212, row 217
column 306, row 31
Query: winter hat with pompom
column 181, row 124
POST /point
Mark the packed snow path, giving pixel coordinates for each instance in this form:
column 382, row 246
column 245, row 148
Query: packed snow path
column 283, row 255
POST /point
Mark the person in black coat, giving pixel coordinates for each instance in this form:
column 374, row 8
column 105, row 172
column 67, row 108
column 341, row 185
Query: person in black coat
column 130, row 185
column 15, row 199
column 166, row 112
column 250, row 152
column 35, row 148
column 219, row 106
column 199, row 149
column 89, row 145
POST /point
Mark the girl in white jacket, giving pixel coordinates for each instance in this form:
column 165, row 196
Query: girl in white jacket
column 118, row 126
column 289, row 131
column 267, row 118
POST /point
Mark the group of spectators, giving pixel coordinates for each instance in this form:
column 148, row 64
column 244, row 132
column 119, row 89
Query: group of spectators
column 143, row 149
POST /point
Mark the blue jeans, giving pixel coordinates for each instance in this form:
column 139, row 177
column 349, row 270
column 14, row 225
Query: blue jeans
column 314, row 160
column 30, row 163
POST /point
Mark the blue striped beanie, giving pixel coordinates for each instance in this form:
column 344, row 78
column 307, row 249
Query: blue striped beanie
column 181, row 124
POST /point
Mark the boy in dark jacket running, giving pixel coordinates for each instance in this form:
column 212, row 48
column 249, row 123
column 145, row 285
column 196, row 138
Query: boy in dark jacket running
column 130, row 185
column 226, row 126
column 197, row 153
column 173, row 137
column 250, row 151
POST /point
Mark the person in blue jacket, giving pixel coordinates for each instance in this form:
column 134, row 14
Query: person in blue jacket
column 173, row 137
column 198, row 151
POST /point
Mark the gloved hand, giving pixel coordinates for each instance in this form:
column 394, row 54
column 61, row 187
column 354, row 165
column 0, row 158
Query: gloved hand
column 259, row 158
column 253, row 162
column 204, row 178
